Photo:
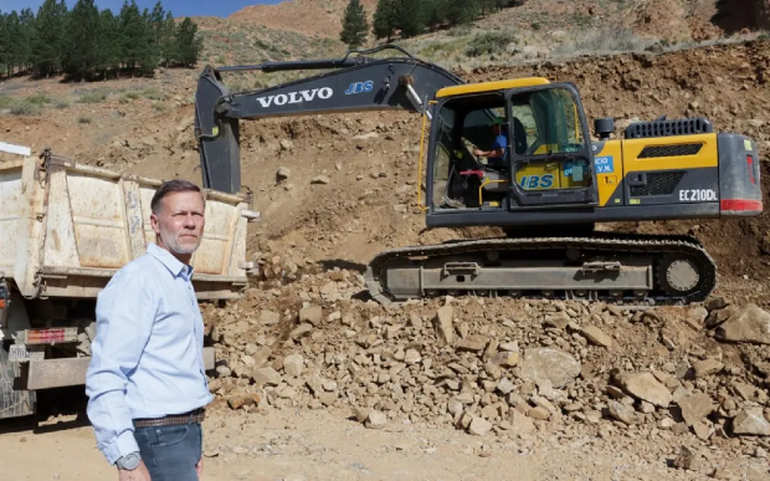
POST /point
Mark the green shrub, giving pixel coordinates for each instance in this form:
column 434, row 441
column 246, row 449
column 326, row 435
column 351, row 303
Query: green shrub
column 39, row 99
column 25, row 108
column 153, row 93
column 93, row 97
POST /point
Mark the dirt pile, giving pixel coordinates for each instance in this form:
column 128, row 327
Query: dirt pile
column 494, row 366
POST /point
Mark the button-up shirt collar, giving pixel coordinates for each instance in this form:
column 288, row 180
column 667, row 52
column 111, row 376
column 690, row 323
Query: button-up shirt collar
column 174, row 265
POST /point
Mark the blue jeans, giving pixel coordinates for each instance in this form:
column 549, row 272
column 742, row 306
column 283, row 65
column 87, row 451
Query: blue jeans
column 171, row 452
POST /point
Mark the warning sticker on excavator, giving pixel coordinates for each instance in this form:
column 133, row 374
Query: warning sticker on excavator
column 604, row 165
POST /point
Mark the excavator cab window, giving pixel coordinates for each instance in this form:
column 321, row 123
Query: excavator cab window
column 542, row 133
column 553, row 165
column 464, row 124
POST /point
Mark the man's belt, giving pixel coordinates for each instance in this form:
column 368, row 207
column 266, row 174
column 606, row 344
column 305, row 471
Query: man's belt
column 196, row 416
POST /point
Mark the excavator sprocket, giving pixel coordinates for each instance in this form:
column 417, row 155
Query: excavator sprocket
column 617, row 268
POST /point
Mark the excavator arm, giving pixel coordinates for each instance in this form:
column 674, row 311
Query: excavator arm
column 354, row 83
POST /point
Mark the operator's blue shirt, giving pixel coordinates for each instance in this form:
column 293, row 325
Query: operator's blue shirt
column 501, row 141
column 147, row 357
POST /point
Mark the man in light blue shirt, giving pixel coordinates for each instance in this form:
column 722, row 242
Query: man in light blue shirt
column 146, row 382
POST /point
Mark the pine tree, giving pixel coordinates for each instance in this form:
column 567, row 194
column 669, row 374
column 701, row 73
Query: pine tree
column 133, row 36
column 168, row 48
column 27, row 38
column 5, row 42
column 156, row 20
column 81, row 53
column 434, row 12
column 487, row 6
column 109, row 43
column 189, row 45
column 410, row 17
column 385, row 21
column 461, row 12
column 157, row 17
column 49, row 37
column 150, row 55
column 13, row 49
column 354, row 25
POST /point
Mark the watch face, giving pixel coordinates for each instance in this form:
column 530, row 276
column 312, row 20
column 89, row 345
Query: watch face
column 131, row 461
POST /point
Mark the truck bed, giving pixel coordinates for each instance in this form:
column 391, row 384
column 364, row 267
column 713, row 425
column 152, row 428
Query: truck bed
column 66, row 228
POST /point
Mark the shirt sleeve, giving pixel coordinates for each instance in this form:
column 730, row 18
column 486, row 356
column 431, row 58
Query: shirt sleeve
column 125, row 313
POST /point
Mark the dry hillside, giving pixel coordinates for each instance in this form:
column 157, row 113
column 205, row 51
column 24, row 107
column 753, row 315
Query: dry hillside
column 310, row 17
column 663, row 19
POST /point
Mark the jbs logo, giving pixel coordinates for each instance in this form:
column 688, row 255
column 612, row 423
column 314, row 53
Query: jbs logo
column 694, row 195
column 360, row 87
column 296, row 97
column 537, row 181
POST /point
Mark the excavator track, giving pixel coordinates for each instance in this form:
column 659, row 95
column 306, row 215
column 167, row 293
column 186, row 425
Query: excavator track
column 617, row 268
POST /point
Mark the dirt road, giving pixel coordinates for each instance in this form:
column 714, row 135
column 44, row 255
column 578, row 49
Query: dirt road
column 314, row 445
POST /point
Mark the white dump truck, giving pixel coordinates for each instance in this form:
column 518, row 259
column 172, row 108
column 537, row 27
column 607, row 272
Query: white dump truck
column 65, row 229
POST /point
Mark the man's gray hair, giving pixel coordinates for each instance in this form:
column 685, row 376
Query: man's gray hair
column 169, row 187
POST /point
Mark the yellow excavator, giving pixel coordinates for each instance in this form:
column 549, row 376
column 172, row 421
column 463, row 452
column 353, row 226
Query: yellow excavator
column 479, row 137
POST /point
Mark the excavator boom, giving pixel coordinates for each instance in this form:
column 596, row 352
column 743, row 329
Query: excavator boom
column 354, row 83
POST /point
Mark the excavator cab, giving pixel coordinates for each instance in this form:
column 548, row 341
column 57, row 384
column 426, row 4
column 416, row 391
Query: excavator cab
column 547, row 148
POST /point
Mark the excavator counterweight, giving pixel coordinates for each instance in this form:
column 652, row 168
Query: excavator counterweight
column 516, row 154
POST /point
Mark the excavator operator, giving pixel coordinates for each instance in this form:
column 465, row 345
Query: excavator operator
column 496, row 155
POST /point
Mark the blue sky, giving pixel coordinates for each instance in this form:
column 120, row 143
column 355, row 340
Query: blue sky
column 180, row 8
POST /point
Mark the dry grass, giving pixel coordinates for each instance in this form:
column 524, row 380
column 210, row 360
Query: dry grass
column 93, row 97
column 231, row 46
column 27, row 106
column 601, row 42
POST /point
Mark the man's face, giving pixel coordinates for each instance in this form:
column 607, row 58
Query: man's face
column 180, row 222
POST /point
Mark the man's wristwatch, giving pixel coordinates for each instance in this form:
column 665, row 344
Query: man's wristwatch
column 129, row 462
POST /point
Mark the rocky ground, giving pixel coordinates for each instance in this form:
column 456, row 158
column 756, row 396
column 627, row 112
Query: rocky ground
column 693, row 380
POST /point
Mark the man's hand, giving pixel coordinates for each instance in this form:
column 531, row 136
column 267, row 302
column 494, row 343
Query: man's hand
column 139, row 474
column 199, row 467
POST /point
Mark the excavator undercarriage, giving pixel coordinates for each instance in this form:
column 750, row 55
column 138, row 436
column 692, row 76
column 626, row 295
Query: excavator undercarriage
column 609, row 267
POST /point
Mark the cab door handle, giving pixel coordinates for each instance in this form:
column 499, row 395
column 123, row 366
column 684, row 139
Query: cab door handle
column 637, row 179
